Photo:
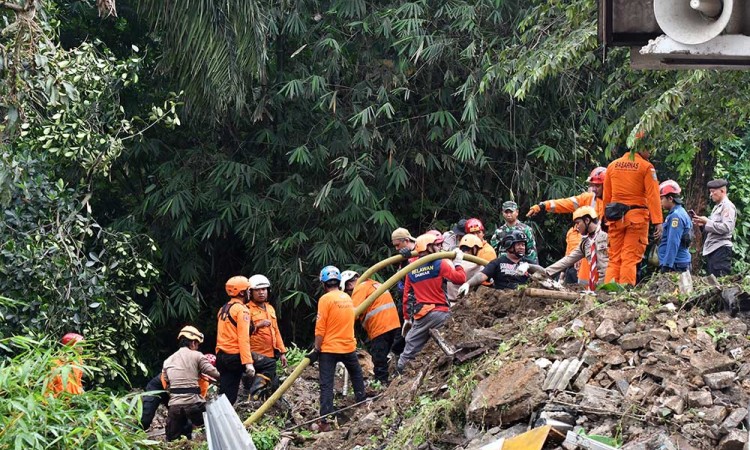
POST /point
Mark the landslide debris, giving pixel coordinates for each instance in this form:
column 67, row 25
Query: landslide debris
column 648, row 368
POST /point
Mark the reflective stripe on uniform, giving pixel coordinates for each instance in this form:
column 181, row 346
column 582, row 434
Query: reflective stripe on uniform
column 375, row 311
column 575, row 202
column 552, row 206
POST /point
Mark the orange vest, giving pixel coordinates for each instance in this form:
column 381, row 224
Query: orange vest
column 382, row 315
column 74, row 379
column 632, row 181
column 233, row 330
column 266, row 339
column 335, row 323
column 570, row 204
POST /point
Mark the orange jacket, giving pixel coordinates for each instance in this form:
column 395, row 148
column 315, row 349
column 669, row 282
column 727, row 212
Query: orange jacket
column 382, row 316
column 572, row 240
column 203, row 384
column 570, row 204
column 266, row 339
column 233, row 330
column 335, row 323
column 631, row 180
column 74, row 384
column 487, row 253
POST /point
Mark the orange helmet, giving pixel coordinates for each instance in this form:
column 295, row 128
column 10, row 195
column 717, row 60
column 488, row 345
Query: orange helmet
column 473, row 225
column 423, row 241
column 597, row 175
column 235, row 285
column 71, row 339
column 470, row 240
column 669, row 187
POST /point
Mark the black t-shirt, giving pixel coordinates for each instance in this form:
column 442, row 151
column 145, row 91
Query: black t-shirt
column 503, row 272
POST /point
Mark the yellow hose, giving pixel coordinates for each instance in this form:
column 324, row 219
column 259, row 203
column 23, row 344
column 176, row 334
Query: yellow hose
column 358, row 311
column 386, row 262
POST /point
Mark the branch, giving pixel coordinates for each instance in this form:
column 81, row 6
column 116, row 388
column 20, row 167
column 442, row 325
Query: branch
column 15, row 7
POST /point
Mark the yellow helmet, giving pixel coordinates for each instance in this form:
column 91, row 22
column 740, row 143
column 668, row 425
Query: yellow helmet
column 470, row 240
column 235, row 285
column 191, row 333
column 585, row 211
column 423, row 241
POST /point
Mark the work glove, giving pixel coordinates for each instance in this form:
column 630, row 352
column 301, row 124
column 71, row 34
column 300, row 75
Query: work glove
column 522, row 268
column 405, row 252
column 406, row 327
column 249, row 370
column 313, row 356
column 464, row 290
column 533, row 211
column 539, row 276
column 459, row 256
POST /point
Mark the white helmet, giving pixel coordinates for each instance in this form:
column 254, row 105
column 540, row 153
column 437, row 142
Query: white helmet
column 259, row 282
column 346, row 276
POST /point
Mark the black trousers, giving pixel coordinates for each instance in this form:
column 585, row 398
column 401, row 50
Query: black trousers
column 380, row 346
column 327, row 368
column 181, row 418
column 266, row 366
column 719, row 261
column 231, row 369
column 151, row 402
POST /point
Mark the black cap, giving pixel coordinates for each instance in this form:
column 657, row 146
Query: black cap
column 460, row 228
column 715, row 184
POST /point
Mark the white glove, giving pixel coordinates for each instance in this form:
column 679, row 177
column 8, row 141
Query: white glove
column 459, row 256
column 464, row 290
column 539, row 276
column 406, row 327
column 522, row 268
column 249, row 370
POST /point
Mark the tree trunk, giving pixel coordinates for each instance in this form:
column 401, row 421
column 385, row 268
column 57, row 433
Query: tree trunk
column 696, row 193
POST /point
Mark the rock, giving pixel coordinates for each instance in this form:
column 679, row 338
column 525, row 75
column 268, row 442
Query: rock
column 577, row 325
column 744, row 371
column 656, row 441
column 543, row 363
column 629, row 328
column 675, row 403
column 735, row 440
column 607, row 331
column 556, row 333
column 719, row 380
column 510, row 395
column 710, row 361
column 583, row 377
column 614, row 358
column 713, row 415
column 682, row 442
column 635, row 340
column 699, row 398
column 659, row 335
column 733, row 420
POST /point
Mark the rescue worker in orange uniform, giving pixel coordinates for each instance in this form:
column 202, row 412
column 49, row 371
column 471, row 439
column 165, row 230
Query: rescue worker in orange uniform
column 380, row 320
column 233, row 356
column 592, row 197
column 476, row 227
column 631, row 199
column 265, row 338
column 69, row 375
column 335, row 342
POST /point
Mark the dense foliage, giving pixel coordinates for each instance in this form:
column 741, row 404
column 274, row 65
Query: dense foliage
column 305, row 132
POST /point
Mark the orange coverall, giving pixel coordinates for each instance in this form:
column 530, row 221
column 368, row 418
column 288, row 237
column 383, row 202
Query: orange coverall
column 630, row 180
column 382, row 316
column 74, row 378
column 572, row 241
column 267, row 339
column 568, row 206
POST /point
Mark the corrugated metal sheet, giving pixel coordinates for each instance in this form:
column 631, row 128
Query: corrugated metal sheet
column 224, row 429
column 560, row 374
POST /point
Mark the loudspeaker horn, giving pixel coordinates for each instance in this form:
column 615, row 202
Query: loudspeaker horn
column 693, row 22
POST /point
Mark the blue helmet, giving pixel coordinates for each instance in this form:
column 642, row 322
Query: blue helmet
column 330, row 273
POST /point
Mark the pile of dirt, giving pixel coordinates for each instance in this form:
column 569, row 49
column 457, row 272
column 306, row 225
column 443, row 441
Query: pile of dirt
column 643, row 367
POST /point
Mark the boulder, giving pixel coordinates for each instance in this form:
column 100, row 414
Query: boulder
column 607, row 331
column 719, row 380
column 699, row 398
column 635, row 340
column 735, row 440
column 510, row 395
column 710, row 361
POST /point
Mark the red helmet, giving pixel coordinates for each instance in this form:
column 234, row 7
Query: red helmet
column 597, row 175
column 438, row 236
column 473, row 225
column 669, row 187
column 71, row 339
column 211, row 358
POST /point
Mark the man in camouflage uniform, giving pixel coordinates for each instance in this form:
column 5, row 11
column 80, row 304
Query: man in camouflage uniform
column 510, row 214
